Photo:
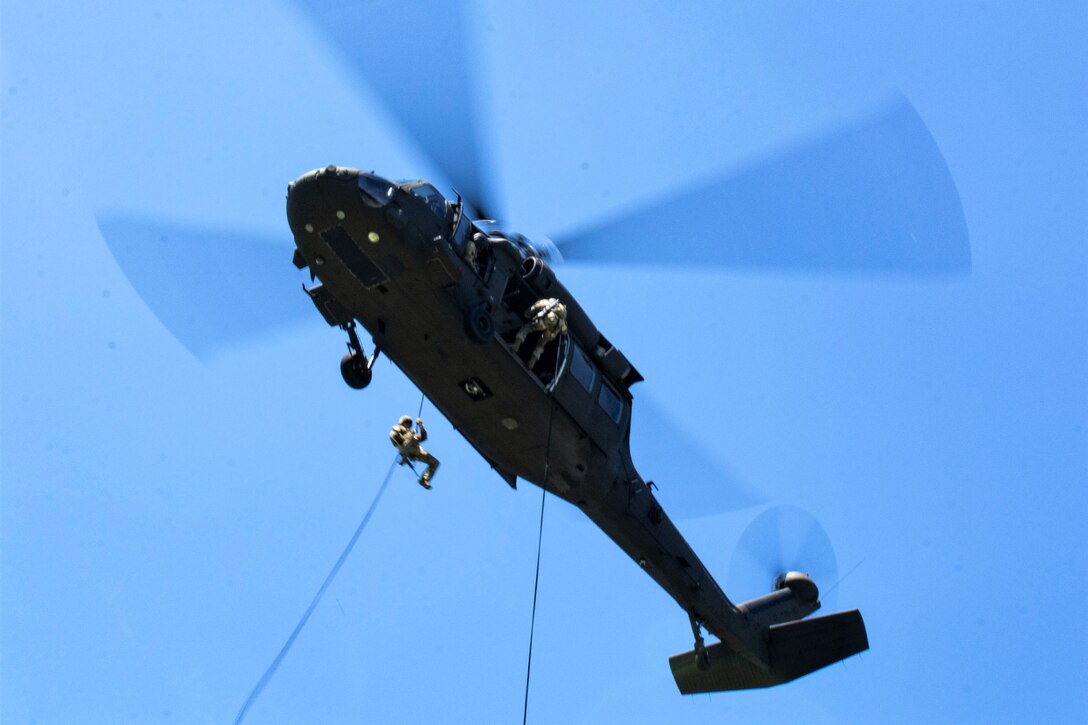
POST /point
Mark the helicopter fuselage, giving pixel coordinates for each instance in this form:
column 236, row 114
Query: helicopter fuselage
column 444, row 298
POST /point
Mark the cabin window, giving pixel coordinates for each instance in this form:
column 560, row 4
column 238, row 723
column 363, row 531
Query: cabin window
column 433, row 199
column 610, row 402
column 582, row 369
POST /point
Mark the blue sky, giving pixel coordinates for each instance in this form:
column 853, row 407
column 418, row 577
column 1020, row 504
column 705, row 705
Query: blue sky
column 166, row 518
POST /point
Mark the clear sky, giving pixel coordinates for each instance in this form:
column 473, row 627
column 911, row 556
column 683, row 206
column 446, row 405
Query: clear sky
column 166, row 517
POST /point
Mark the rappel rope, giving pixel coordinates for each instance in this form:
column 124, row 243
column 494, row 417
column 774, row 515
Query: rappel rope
column 267, row 676
column 536, row 578
column 419, row 414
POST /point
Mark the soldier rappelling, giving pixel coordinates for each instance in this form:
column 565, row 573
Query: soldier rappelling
column 407, row 441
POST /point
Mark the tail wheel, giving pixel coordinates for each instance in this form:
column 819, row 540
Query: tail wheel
column 479, row 325
column 355, row 370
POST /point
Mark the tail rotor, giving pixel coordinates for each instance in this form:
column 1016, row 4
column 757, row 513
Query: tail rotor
column 779, row 544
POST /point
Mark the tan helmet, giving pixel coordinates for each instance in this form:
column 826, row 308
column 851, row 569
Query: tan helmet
column 405, row 421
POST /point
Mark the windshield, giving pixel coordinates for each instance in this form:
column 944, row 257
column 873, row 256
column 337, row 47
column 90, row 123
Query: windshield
column 376, row 190
column 434, row 200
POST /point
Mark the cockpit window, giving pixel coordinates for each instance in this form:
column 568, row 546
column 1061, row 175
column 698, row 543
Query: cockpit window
column 434, row 200
column 376, row 190
column 610, row 402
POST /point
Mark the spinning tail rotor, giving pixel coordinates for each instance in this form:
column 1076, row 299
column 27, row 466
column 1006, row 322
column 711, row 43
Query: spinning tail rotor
column 788, row 551
column 779, row 541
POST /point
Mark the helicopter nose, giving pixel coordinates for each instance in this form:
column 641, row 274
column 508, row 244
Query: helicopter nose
column 343, row 214
column 322, row 198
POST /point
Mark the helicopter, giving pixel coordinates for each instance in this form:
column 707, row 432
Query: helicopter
column 396, row 264
column 446, row 299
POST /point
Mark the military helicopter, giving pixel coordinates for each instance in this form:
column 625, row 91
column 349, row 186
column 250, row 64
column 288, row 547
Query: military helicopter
column 445, row 300
column 394, row 257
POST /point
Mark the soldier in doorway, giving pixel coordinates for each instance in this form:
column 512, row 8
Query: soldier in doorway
column 472, row 247
column 549, row 318
column 407, row 441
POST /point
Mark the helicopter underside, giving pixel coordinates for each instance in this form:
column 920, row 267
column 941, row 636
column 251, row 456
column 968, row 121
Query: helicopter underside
column 537, row 424
column 559, row 417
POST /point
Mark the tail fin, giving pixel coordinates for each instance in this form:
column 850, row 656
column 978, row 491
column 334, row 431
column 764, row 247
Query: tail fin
column 796, row 649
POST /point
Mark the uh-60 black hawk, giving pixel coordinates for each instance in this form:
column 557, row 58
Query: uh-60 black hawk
column 445, row 297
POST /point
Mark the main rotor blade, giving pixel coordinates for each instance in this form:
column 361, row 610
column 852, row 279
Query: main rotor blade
column 690, row 481
column 416, row 56
column 208, row 287
column 874, row 196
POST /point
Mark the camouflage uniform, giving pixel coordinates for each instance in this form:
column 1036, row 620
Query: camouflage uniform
column 407, row 441
column 549, row 318
column 472, row 247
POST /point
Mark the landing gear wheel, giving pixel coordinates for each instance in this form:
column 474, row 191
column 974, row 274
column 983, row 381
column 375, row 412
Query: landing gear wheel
column 479, row 325
column 355, row 370
column 354, row 366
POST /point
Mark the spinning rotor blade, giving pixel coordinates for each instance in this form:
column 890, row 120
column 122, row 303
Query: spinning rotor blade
column 416, row 56
column 779, row 540
column 875, row 196
column 690, row 481
column 206, row 286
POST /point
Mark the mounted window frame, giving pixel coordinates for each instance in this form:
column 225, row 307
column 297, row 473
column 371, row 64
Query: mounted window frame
column 582, row 369
column 430, row 196
column 462, row 228
column 610, row 402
